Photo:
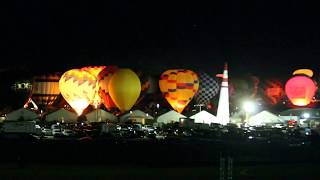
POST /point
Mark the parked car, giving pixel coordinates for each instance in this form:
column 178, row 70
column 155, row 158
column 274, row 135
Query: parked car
column 46, row 131
column 57, row 133
column 68, row 132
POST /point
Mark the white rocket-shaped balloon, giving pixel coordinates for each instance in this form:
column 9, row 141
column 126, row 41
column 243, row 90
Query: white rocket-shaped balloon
column 223, row 107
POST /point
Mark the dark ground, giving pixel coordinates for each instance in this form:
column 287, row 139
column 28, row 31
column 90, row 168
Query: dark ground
column 172, row 159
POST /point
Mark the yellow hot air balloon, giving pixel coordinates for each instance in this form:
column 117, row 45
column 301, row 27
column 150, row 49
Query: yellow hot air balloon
column 179, row 86
column 307, row 72
column 124, row 89
column 78, row 88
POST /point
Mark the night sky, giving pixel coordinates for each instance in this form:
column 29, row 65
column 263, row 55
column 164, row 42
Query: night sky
column 262, row 38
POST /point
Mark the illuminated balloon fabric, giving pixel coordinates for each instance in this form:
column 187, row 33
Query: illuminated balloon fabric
column 45, row 89
column 300, row 90
column 178, row 87
column 95, row 70
column 124, row 89
column 104, row 78
column 207, row 90
column 78, row 88
column 273, row 90
column 307, row 72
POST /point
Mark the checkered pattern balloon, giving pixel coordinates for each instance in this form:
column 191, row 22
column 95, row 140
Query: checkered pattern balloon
column 178, row 87
column 207, row 90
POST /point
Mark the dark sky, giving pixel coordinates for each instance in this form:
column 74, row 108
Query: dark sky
column 264, row 38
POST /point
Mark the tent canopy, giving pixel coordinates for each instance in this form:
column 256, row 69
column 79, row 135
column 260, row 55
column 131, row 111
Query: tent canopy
column 204, row 117
column 169, row 117
column 62, row 115
column 136, row 114
column 264, row 118
column 22, row 114
column 100, row 115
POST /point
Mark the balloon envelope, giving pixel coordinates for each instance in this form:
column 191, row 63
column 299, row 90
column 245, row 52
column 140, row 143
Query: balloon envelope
column 124, row 88
column 104, row 78
column 78, row 88
column 207, row 90
column 300, row 90
column 45, row 89
column 95, row 70
column 178, row 87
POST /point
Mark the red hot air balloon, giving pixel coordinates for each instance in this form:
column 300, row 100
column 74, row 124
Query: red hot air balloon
column 300, row 90
column 104, row 78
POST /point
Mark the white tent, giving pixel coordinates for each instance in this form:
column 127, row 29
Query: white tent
column 264, row 118
column 100, row 115
column 62, row 115
column 169, row 117
column 136, row 116
column 204, row 117
column 22, row 114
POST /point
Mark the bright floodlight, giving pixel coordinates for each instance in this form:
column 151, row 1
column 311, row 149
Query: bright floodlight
column 248, row 106
column 306, row 115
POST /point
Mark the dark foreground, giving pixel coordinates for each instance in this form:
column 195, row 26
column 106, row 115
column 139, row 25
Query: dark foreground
column 157, row 159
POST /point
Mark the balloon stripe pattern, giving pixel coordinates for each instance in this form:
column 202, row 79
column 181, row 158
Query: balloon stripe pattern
column 95, row 70
column 207, row 90
column 45, row 89
column 78, row 88
column 104, row 78
column 178, row 87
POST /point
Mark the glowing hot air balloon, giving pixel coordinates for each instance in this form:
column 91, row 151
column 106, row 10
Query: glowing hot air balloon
column 207, row 90
column 95, row 70
column 78, row 88
column 45, row 89
column 104, row 78
column 300, row 90
column 124, row 89
column 178, row 87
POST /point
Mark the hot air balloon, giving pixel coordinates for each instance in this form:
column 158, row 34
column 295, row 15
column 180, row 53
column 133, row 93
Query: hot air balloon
column 273, row 91
column 45, row 89
column 178, row 87
column 78, row 88
column 104, row 78
column 207, row 90
column 124, row 89
column 300, row 90
column 95, row 70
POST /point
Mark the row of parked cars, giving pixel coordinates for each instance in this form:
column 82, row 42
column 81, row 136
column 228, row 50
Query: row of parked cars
column 57, row 130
